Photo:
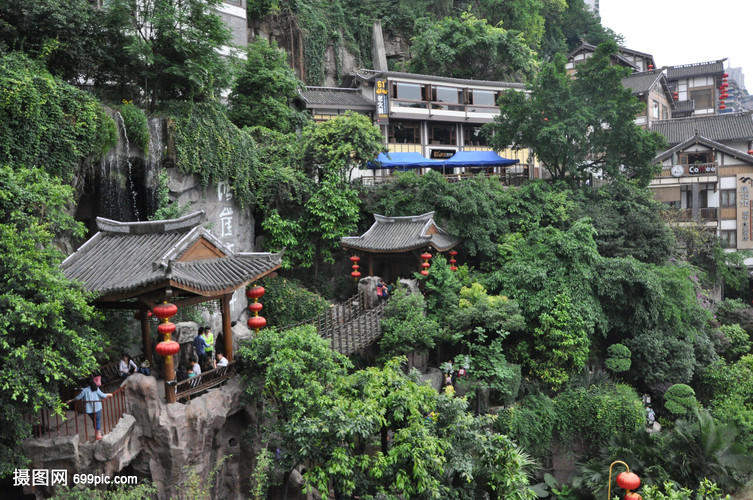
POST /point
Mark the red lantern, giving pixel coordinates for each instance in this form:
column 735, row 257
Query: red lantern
column 628, row 480
column 725, row 75
column 722, row 106
column 355, row 259
column 725, row 85
column 166, row 328
column 724, row 96
column 255, row 292
column 631, row 495
column 355, row 274
column 426, row 256
column 255, row 307
column 256, row 322
column 425, row 272
column 650, row 66
column 425, row 265
column 167, row 348
column 750, row 152
column 165, row 310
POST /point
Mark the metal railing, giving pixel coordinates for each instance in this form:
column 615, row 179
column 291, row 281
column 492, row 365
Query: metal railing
column 202, row 382
column 686, row 214
column 75, row 421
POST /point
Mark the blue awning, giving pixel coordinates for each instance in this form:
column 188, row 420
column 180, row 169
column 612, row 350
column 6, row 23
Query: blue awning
column 407, row 161
column 478, row 159
column 401, row 161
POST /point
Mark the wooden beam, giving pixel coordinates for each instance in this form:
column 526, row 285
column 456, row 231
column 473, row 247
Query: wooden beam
column 227, row 330
column 146, row 336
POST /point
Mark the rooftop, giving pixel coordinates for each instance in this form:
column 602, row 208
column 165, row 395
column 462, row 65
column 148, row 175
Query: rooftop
column 370, row 75
column 401, row 234
column 695, row 69
column 324, row 97
column 719, row 127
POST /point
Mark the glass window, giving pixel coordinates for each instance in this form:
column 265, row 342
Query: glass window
column 442, row 134
column 408, row 91
column 727, row 198
column 483, row 98
column 697, row 157
column 729, row 237
column 446, row 94
column 472, row 136
column 704, row 98
column 405, row 133
column 655, row 110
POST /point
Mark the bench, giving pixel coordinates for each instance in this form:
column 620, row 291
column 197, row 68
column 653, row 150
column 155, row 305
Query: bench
column 207, row 380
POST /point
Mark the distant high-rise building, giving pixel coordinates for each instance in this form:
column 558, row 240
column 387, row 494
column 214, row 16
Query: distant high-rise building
column 593, row 5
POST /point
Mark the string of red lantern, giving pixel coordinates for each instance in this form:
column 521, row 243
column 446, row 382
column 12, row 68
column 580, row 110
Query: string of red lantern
column 255, row 322
column 355, row 272
column 167, row 347
column 426, row 256
column 453, row 267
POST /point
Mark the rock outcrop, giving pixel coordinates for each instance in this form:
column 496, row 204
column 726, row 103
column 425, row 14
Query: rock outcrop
column 165, row 443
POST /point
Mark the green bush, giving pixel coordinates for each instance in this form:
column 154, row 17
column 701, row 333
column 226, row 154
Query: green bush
column 680, row 400
column 136, row 125
column 286, row 302
column 405, row 327
column 618, row 359
column 598, row 413
column 530, row 423
column 739, row 341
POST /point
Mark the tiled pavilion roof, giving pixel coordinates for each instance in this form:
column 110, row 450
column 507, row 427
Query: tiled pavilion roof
column 401, row 234
column 125, row 259
column 718, row 127
column 696, row 69
column 328, row 97
column 640, row 83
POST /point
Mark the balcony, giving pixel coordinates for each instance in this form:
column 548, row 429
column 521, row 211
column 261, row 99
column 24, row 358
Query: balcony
column 686, row 214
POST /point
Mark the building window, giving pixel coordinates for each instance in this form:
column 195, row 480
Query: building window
column 410, row 95
column 655, row 110
column 449, row 98
column 664, row 112
column 704, row 98
column 472, row 136
column 442, row 134
column 697, row 157
column 727, row 198
column 405, row 133
column 482, row 100
column 729, row 237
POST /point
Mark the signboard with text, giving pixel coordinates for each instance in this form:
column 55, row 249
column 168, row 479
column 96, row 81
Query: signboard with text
column 744, row 212
column 382, row 102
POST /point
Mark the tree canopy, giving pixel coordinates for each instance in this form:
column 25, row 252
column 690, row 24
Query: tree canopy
column 579, row 127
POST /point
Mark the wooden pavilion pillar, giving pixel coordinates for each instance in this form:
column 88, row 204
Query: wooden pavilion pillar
column 146, row 336
column 227, row 330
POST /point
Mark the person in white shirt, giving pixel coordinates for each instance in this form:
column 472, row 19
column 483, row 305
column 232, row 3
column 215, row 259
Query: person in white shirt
column 127, row 366
column 221, row 360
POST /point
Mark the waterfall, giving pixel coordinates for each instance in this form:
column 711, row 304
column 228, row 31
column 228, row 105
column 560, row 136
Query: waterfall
column 130, row 167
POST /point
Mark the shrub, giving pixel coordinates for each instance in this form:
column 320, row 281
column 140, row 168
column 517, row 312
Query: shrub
column 530, row 424
column 618, row 359
column 136, row 125
column 739, row 341
column 680, row 400
column 286, row 302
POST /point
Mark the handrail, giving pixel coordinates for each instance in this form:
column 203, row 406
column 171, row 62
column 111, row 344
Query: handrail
column 46, row 422
column 206, row 380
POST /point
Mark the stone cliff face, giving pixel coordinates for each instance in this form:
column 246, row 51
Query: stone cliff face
column 162, row 442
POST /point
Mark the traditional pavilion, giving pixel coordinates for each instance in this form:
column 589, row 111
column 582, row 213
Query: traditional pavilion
column 395, row 246
column 158, row 266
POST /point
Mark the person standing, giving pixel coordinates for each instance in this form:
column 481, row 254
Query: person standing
column 209, row 337
column 200, row 344
column 93, row 396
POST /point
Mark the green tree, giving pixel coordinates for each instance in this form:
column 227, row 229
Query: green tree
column 579, row 127
column 64, row 34
column 172, row 48
column 468, row 47
column 618, row 359
column 729, row 390
column 48, row 123
column 263, row 88
column 405, row 326
column 45, row 334
column 680, row 400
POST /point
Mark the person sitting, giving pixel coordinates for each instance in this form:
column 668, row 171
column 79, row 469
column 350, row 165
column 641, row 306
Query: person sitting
column 221, row 360
column 195, row 372
column 182, row 373
column 93, row 396
column 381, row 290
column 127, row 366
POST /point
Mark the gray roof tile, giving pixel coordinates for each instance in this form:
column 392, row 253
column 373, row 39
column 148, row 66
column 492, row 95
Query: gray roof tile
column 335, row 97
column 370, row 74
column 696, row 69
column 124, row 257
column 642, row 82
column 401, row 234
column 721, row 127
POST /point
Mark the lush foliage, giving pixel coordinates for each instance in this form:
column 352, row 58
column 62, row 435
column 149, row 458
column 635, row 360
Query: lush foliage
column 135, row 124
column 168, row 49
column 468, row 47
column 680, row 400
column 207, row 144
column 405, row 327
column 579, row 127
column 45, row 334
column 315, row 413
column 618, row 359
column 286, row 302
column 48, row 123
column 729, row 387
column 262, row 90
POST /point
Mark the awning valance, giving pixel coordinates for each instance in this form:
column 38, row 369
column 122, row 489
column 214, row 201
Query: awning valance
column 408, row 161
